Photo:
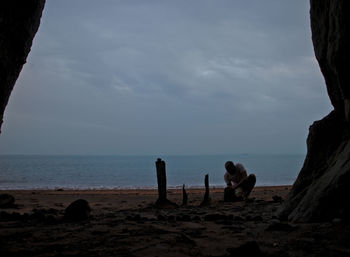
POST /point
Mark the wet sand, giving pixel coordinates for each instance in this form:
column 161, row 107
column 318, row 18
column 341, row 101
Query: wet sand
column 126, row 223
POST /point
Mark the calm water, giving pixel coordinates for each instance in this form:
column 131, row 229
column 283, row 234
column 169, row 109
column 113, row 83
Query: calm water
column 93, row 172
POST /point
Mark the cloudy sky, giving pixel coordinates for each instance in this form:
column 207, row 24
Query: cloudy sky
column 167, row 77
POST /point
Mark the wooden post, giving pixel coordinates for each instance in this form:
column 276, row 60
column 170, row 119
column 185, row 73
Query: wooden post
column 161, row 179
column 206, row 199
column 206, row 182
column 184, row 195
column 162, row 201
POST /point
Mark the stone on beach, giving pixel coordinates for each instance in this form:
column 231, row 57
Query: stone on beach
column 6, row 201
column 77, row 211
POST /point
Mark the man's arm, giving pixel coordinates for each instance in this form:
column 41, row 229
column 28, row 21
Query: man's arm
column 242, row 170
column 227, row 179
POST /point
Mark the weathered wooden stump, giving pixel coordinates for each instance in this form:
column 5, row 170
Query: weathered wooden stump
column 161, row 179
column 162, row 200
column 206, row 200
column 184, row 195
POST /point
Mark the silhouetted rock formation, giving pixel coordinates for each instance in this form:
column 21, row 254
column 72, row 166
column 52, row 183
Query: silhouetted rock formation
column 322, row 188
column 19, row 21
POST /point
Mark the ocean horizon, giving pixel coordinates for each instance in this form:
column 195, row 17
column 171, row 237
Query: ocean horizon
column 139, row 171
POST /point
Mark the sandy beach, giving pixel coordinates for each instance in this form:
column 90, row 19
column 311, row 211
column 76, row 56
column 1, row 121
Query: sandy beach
column 126, row 223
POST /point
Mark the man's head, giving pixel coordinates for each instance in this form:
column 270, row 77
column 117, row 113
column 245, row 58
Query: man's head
column 230, row 167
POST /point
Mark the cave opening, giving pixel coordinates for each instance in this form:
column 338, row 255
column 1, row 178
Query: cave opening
column 202, row 78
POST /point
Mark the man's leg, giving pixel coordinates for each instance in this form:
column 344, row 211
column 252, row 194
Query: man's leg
column 241, row 191
column 243, row 188
column 247, row 185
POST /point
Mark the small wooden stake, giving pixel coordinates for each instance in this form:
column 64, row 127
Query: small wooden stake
column 206, row 199
column 161, row 179
column 184, row 195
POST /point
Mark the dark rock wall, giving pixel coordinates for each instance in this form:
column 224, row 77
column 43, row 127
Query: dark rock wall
column 330, row 21
column 322, row 189
column 19, row 21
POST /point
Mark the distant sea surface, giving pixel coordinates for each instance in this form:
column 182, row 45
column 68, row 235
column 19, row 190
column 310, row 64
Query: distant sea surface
column 123, row 172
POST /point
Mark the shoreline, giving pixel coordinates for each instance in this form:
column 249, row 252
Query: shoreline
column 138, row 191
column 124, row 199
column 174, row 188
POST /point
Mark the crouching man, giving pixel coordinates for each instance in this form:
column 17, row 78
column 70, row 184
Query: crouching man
column 239, row 185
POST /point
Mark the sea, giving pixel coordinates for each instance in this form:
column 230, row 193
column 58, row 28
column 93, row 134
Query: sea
column 139, row 172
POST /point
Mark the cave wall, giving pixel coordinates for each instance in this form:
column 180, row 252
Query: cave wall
column 321, row 190
column 19, row 22
column 329, row 25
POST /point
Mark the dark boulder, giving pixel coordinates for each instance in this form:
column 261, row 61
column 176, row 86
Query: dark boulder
column 77, row 211
column 7, row 201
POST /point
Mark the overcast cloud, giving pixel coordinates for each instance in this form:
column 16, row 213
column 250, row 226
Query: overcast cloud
column 167, row 77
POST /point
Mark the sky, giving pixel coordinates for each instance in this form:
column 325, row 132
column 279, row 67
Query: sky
column 167, row 77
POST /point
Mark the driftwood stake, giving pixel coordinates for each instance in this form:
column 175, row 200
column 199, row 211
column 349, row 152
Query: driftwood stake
column 206, row 182
column 162, row 201
column 161, row 179
column 206, row 199
column 184, row 195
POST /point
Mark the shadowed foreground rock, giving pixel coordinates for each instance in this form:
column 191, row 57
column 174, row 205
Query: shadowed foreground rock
column 322, row 188
column 77, row 211
column 6, row 201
